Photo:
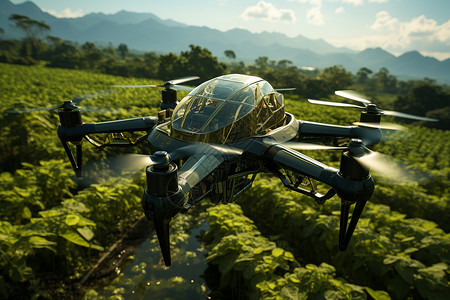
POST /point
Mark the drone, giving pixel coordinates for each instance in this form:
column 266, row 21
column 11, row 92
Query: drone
column 222, row 134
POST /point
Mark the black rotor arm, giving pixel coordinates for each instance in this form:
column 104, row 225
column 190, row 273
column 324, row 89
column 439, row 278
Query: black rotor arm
column 74, row 131
column 369, row 136
column 352, row 183
column 128, row 125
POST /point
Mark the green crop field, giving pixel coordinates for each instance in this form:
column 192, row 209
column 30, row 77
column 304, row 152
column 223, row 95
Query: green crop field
column 272, row 243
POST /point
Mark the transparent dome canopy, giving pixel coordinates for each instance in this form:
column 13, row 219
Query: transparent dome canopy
column 221, row 102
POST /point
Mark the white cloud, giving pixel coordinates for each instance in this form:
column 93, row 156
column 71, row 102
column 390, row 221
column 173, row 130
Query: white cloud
column 66, row 13
column 391, row 34
column 312, row 2
column 384, row 21
column 314, row 16
column 339, row 10
column 378, row 1
column 354, row 2
column 268, row 12
column 419, row 29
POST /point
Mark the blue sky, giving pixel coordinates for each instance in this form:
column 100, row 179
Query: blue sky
column 397, row 26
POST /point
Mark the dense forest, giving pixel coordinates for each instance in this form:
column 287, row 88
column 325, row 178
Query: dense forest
column 272, row 243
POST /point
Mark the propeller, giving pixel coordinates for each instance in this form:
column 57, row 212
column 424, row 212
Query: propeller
column 388, row 126
column 356, row 161
column 284, row 89
column 66, row 105
column 171, row 84
column 368, row 107
column 350, row 94
column 384, row 165
column 134, row 162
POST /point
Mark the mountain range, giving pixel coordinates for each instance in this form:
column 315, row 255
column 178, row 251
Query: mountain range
column 148, row 32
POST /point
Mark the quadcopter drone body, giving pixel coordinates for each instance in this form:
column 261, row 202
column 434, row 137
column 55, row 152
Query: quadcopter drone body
column 216, row 140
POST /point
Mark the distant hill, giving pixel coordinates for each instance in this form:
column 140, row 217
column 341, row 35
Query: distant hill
column 148, row 32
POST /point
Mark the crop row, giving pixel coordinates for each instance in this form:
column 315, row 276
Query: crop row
column 45, row 215
column 31, row 137
column 46, row 227
column 257, row 268
column 406, row 257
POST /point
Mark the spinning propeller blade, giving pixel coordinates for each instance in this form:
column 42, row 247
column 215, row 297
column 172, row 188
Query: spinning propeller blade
column 171, row 84
column 66, row 104
column 330, row 103
column 134, row 162
column 369, row 106
column 21, row 111
column 284, row 89
column 349, row 94
column 183, row 79
column 388, row 126
column 381, row 164
column 407, row 116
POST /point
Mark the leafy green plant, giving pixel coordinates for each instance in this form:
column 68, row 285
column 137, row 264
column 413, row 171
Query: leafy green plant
column 381, row 235
column 253, row 265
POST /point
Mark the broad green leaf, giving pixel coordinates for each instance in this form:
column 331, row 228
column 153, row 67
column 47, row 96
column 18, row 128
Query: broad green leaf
column 86, row 232
column 38, row 241
column 97, row 247
column 258, row 250
column 277, row 252
column 289, row 292
column 391, row 259
column 72, row 220
column 75, row 205
column 50, row 213
column 75, row 238
column 377, row 295
column 410, row 250
column 293, row 279
column 26, row 213
column 288, row 255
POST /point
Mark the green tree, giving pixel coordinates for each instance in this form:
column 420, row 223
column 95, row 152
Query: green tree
column 110, row 51
column 66, row 55
column 53, row 41
column 151, row 61
column 335, row 78
column 362, row 76
column 424, row 98
column 230, row 54
column 91, row 54
column 237, row 68
column 198, row 61
column 123, row 50
column 284, row 63
column 385, row 82
column 262, row 63
column 33, row 30
column 170, row 66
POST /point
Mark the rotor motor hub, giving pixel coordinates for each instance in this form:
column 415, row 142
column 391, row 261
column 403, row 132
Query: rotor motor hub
column 169, row 99
column 162, row 198
column 371, row 114
column 162, row 177
column 70, row 115
column 350, row 168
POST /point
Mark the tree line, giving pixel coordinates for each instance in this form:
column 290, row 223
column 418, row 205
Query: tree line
column 414, row 96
